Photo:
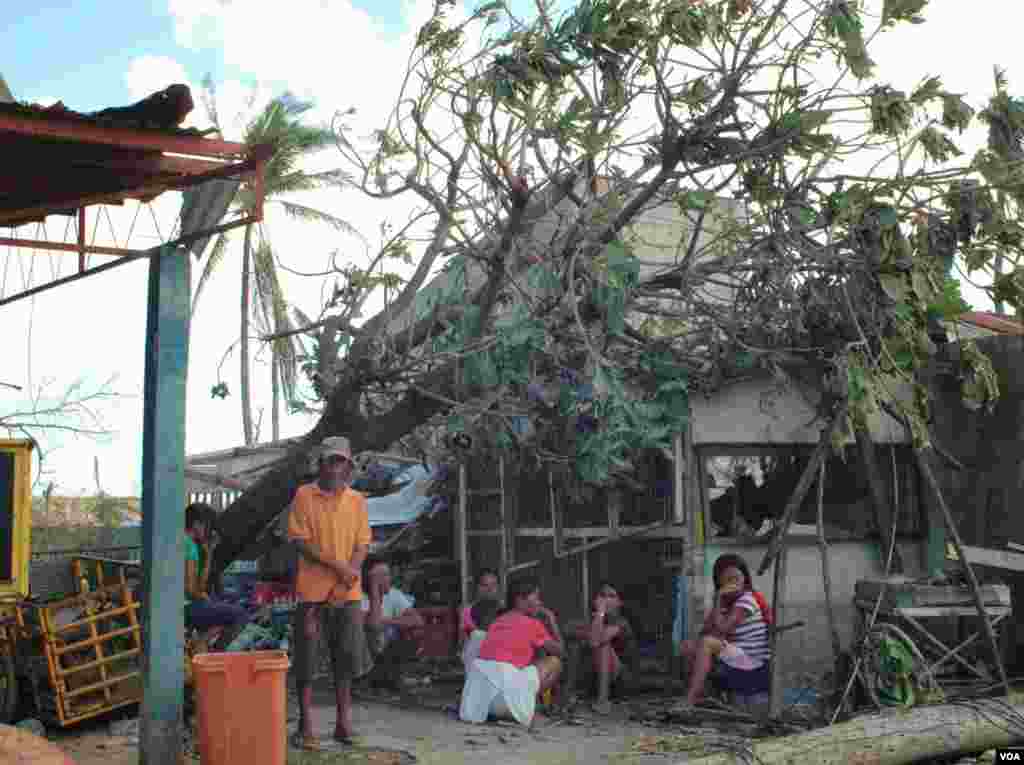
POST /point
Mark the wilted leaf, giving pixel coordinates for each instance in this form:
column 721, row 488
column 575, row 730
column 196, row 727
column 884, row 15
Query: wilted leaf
column 937, row 146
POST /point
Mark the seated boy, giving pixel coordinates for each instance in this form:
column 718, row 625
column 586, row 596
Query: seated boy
column 610, row 642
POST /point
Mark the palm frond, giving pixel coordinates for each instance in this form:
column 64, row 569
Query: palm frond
column 297, row 180
column 273, row 313
column 302, row 212
column 213, row 261
column 208, row 96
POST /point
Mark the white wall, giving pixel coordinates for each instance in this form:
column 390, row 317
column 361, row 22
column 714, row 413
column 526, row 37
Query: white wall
column 766, row 411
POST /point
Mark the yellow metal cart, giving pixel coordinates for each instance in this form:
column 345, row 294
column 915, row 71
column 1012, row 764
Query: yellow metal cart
column 76, row 656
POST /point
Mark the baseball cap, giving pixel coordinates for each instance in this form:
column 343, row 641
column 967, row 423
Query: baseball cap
column 338, row 445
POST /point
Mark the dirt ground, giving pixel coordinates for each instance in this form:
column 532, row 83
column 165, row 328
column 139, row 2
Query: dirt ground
column 423, row 728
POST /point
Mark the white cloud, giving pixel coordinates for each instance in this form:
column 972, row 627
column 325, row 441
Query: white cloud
column 148, row 74
column 341, row 56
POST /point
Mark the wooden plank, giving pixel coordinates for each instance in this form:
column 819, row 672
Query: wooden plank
column 1004, row 559
column 779, row 607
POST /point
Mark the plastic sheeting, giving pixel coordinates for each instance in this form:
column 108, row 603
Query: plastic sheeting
column 405, row 505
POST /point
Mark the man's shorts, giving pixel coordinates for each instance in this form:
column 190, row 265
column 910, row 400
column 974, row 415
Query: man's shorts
column 341, row 634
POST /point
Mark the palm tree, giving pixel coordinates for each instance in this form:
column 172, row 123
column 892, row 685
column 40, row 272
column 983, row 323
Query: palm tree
column 278, row 123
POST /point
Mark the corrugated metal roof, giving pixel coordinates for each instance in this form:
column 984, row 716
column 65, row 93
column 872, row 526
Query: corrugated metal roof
column 993, row 322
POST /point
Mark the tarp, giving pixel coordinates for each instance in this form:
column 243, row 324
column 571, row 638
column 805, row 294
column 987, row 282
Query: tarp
column 403, row 506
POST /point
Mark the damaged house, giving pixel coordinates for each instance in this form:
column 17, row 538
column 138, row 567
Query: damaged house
column 655, row 529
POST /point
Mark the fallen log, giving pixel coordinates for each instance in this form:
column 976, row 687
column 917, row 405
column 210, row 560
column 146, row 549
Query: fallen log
column 894, row 737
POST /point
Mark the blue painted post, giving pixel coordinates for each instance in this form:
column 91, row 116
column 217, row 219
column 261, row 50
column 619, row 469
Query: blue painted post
column 163, row 503
column 680, row 610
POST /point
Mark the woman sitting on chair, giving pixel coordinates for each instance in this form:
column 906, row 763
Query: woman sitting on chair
column 735, row 633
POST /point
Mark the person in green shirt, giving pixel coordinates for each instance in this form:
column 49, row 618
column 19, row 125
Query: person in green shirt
column 201, row 611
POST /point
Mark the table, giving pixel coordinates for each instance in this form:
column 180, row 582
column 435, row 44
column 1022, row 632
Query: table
column 914, row 615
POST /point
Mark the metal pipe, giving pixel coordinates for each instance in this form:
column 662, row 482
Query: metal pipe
column 81, row 239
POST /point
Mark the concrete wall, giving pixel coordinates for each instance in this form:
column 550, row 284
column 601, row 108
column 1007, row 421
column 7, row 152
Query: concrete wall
column 768, row 411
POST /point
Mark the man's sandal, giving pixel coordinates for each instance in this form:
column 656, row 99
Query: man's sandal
column 305, row 743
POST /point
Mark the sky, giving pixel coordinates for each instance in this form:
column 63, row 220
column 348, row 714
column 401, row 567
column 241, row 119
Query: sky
column 96, row 53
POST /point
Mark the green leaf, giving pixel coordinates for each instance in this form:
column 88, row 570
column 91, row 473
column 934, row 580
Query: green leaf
column 895, row 286
column 695, row 200
column 541, row 276
column 902, row 10
column 621, row 262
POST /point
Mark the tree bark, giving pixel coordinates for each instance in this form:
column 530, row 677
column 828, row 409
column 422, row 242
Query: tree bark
column 244, row 520
column 243, row 340
column 894, row 737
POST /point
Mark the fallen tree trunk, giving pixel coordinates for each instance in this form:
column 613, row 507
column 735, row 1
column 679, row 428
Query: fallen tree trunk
column 894, row 737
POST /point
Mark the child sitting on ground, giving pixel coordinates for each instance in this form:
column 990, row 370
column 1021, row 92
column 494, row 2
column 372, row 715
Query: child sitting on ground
column 735, row 634
column 483, row 614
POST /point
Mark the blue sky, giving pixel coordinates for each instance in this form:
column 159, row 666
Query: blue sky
column 97, row 53
column 79, row 50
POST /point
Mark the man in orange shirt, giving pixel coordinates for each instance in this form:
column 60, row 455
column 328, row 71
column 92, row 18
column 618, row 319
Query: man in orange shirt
column 329, row 525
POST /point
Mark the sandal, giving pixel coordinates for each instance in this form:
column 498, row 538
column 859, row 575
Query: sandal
column 305, row 743
column 345, row 739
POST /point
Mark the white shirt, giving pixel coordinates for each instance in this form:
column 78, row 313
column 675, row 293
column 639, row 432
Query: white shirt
column 393, row 604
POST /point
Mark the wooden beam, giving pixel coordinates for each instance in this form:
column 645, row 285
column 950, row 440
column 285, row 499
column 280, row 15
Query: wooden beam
column 1007, row 560
column 461, row 548
column 680, row 469
column 163, row 500
column 779, row 608
column 126, row 138
column 502, row 529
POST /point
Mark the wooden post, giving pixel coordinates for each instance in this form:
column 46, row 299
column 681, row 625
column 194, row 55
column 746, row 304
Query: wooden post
column 680, row 469
column 884, row 519
column 163, row 506
column 972, row 580
column 503, row 538
column 585, row 581
column 461, row 548
column 826, row 576
column 557, row 528
column 778, row 606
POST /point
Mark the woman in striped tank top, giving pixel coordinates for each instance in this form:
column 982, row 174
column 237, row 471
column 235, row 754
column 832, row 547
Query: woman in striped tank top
column 735, row 634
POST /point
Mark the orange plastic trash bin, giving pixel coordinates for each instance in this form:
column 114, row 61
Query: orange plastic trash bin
column 241, row 707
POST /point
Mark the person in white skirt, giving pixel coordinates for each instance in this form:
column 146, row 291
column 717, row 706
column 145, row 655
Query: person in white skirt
column 518, row 660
